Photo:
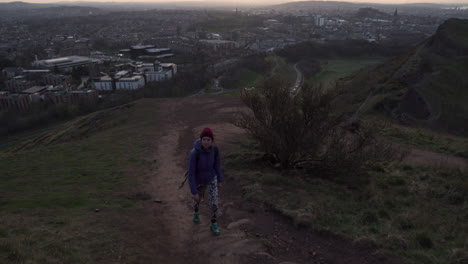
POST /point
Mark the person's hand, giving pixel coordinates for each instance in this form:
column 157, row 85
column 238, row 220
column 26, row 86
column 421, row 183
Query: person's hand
column 220, row 185
column 196, row 197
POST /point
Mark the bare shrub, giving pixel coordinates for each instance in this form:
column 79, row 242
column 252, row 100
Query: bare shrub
column 305, row 129
column 287, row 128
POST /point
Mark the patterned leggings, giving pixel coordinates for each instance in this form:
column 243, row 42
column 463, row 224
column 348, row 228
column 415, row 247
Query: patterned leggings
column 212, row 187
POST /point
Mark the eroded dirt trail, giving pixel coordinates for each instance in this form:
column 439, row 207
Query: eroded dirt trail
column 182, row 240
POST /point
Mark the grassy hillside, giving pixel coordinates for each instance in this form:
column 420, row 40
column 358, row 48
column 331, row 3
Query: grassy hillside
column 428, row 140
column 334, row 69
column 242, row 77
column 418, row 213
column 424, row 86
column 254, row 70
column 62, row 195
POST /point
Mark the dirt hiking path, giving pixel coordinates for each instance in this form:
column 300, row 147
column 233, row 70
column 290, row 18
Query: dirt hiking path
column 250, row 233
column 180, row 240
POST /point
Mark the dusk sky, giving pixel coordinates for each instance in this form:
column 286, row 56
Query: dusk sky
column 270, row 1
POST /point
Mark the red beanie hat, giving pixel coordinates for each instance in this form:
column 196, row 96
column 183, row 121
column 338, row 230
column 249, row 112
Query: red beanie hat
column 207, row 132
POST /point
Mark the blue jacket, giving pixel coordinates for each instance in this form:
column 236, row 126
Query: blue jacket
column 207, row 168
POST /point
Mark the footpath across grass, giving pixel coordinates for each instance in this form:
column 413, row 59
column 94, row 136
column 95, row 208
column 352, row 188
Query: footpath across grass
column 63, row 202
column 417, row 213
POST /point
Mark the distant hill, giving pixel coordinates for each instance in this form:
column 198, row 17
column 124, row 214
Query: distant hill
column 22, row 5
column 311, row 5
column 146, row 5
column 333, row 5
column 25, row 10
column 112, row 6
column 368, row 12
column 428, row 85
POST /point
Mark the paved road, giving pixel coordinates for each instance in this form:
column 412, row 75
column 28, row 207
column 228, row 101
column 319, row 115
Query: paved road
column 299, row 80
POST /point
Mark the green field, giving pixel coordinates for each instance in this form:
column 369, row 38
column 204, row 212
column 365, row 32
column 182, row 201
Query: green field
column 51, row 186
column 332, row 70
column 249, row 78
column 242, row 77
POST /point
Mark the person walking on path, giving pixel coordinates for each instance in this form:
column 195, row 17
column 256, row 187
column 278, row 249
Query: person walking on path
column 205, row 173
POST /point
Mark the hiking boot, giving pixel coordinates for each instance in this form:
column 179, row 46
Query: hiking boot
column 196, row 217
column 215, row 229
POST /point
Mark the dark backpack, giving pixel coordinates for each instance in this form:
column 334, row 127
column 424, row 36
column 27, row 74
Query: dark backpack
column 197, row 159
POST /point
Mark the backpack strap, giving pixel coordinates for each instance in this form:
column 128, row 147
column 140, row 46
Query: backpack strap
column 216, row 152
column 197, row 155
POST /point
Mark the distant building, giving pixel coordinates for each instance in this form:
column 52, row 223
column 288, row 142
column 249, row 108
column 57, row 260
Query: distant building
column 64, row 63
column 35, row 75
column 17, row 102
column 7, row 50
column 159, row 52
column 95, row 69
column 103, row 83
column 35, row 89
column 130, row 83
column 59, row 38
column 147, row 52
column 148, row 67
column 108, row 83
column 157, row 76
column 214, row 36
column 142, row 74
column 319, row 21
column 18, row 84
column 270, row 23
column 217, row 45
column 11, row 72
column 57, row 79
column 156, row 71
column 55, row 95
column 22, row 101
column 172, row 67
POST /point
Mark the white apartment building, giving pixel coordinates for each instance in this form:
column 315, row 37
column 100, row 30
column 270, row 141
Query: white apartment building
column 156, row 72
column 158, row 76
column 130, row 83
column 121, row 83
column 103, row 84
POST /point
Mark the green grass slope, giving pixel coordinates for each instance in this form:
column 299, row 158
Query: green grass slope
column 418, row 213
column 51, row 186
